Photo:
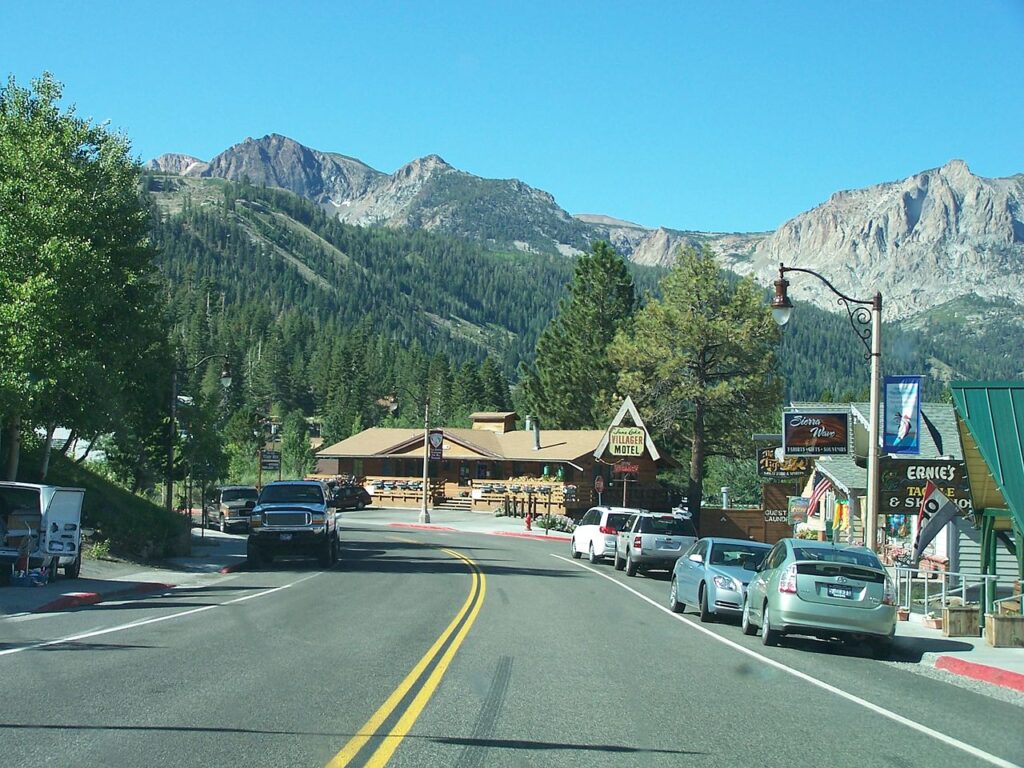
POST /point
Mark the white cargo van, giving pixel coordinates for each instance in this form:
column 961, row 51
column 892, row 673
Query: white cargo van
column 40, row 527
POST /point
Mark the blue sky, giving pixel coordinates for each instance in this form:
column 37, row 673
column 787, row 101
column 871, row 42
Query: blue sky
column 717, row 116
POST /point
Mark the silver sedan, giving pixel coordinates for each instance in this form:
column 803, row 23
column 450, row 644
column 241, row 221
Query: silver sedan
column 710, row 576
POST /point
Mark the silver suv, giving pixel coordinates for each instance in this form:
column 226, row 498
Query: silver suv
column 651, row 540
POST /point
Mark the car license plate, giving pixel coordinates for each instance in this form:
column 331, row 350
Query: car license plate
column 286, row 537
column 839, row 590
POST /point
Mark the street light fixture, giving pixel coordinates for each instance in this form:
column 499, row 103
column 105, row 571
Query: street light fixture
column 867, row 324
column 225, row 380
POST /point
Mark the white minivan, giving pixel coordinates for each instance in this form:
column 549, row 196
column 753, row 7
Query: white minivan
column 596, row 532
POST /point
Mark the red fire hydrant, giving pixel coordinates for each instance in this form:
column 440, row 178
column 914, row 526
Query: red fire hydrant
column 529, row 521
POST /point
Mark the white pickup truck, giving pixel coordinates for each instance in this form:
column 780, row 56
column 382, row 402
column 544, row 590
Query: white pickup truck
column 651, row 540
column 40, row 528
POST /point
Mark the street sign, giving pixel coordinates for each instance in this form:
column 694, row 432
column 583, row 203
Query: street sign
column 436, row 440
column 807, row 432
column 270, row 460
column 599, row 484
column 626, row 441
column 769, row 465
column 903, row 482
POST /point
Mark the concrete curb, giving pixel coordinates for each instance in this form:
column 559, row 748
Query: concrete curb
column 78, row 599
column 982, row 672
column 424, row 527
column 234, row 567
column 560, row 537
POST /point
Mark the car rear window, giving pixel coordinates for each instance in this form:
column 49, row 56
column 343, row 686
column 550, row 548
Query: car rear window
column 667, row 526
column 832, row 555
column 734, row 554
column 617, row 520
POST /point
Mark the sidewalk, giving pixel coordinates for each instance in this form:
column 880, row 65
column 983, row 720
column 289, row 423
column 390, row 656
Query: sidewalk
column 970, row 657
column 102, row 580
column 444, row 520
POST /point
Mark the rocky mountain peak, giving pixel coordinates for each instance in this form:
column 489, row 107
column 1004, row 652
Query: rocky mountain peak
column 173, row 162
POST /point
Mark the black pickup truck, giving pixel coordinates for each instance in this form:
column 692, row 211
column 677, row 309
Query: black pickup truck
column 293, row 518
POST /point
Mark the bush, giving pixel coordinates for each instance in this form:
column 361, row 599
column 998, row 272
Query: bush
column 561, row 523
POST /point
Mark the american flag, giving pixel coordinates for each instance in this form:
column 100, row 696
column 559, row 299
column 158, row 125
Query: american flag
column 822, row 485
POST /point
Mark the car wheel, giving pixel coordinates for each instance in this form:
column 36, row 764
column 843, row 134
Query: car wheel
column 51, row 571
column 769, row 636
column 72, row 570
column 673, row 599
column 630, row 565
column 705, row 614
column 254, row 556
column 360, row 504
column 746, row 625
column 619, row 562
column 576, row 554
column 592, row 557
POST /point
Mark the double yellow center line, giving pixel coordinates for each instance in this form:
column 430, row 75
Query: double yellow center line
column 442, row 652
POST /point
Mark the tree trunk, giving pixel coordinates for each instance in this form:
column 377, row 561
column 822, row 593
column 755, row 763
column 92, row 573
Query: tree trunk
column 697, row 463
column 13, row 446
column 88, row 450
column 45, row 466
column 72, row 439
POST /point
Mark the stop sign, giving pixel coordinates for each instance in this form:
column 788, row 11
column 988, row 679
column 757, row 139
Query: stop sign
column 599, row 484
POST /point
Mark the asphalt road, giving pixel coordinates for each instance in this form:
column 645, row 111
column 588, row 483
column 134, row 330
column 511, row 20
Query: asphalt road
column 425, row 648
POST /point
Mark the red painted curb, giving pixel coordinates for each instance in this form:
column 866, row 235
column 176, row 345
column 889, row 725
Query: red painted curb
column 233, row 567
column 982, row 672
column 423, row 527
column 77, row 599
column 538, row 536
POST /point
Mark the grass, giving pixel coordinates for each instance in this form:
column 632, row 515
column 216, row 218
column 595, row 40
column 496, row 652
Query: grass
column 124, row 525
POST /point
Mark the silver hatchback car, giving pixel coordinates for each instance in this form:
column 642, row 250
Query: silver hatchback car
column 824, row 590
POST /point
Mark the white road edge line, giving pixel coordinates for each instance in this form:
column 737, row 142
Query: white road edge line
column 155, row 620
column 912, row 724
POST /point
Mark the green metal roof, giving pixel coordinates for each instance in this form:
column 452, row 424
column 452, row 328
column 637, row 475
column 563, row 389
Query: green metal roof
column 993, row 414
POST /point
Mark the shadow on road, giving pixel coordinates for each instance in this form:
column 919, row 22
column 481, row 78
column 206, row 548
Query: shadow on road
column 904, row 649
column 453, row 740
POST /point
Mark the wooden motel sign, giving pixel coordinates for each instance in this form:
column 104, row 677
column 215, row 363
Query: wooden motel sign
column 807, row 432
column 772, row 467
column 627, row 441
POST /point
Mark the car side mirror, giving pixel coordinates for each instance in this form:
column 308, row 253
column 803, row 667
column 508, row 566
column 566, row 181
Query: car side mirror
column 696, row 558
column 250, row 504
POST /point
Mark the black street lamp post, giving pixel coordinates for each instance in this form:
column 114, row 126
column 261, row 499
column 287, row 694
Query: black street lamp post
column 867, row 324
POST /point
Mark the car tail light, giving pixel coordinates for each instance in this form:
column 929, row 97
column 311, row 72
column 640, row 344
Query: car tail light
column 788, row 581
column 637, row 540
column 888, row 597
column 607, row 530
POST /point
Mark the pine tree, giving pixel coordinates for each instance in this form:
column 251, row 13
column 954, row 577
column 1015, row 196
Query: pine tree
column 569, row 386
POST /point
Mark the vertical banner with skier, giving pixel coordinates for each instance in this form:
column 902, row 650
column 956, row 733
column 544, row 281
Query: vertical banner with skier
column 902, row 432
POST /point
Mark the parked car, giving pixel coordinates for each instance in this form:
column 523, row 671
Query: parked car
column 651, row 541
column 230, row 507
column 595, row 533
column 293, row 517
column 350, row 496
column 711, row 577
column 40, row 530
column 824, row 590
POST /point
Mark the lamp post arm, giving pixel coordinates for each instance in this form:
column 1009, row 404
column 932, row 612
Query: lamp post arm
column 867, row 302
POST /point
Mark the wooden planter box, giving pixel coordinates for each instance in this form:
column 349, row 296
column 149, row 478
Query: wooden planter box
column 1004, row 631
column 961, row 621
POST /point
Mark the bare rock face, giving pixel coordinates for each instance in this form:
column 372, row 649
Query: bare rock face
column 278, row 161
column 181, row 165
column 922, row 241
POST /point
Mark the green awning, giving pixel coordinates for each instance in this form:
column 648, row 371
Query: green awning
column 991, row 419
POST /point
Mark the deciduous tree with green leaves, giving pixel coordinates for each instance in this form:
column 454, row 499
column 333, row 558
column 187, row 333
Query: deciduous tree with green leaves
column 700, row 363
column 77, row 305
column 570, row 384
